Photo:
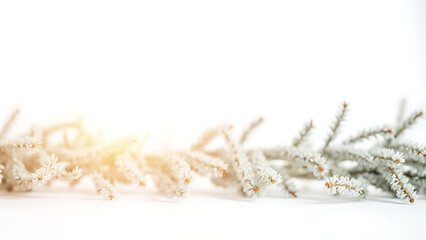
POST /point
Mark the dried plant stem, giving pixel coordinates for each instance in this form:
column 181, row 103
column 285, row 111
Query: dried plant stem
column 48, row 131
column 232, row 146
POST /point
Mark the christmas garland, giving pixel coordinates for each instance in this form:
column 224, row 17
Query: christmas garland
column 376, row 157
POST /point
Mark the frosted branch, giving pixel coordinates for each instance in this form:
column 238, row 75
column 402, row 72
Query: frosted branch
column 411, row 120
column 346, row 186
column 303, row 134
column 364, row 135
column 255, row 124
column 334, row 128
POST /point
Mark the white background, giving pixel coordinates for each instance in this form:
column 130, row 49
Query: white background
column 172, row 68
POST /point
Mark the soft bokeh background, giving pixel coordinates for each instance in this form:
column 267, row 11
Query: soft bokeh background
column 174, row 67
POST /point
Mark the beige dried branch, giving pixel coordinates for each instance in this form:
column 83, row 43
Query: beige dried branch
column 26, row 143
column 9, row 123
column 104, row 187
column 208, row 136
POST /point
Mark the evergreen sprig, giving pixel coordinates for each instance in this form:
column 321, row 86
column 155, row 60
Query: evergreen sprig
column 388, row 163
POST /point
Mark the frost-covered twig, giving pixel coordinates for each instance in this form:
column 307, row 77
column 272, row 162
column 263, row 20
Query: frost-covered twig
column 391, row 165
column 172, row 174
column 389, row 156
column 263, row 169
column 104, row 187
column 415, row 152
column 48, row 169
column 288, row 186
column 252, row 186
column 374, row 132
column 417, row 177
column 314, row 162
column 349, row 153
column 399, row 183
column 346, row 186
column 336, row 125
column 411, row 120
column 130, row 171
column 208, row 136
column 255, row 124
column 205, row 164
column 26, row 143
column 303, row 134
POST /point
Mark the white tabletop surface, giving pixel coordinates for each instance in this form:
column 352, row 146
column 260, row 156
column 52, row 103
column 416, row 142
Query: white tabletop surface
column 58, row 212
